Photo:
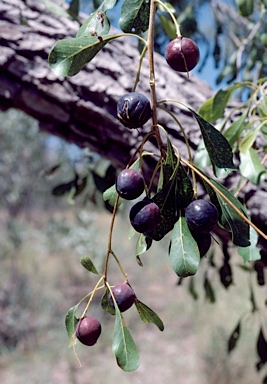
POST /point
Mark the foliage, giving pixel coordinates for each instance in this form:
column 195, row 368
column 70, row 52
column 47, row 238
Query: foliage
column 230, row 148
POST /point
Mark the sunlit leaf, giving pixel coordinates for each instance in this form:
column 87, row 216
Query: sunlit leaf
column 97, row 24
column 88, row 264
column 110, row 195
column 71, row 322
column 252, row 252
column 134, row 16
column 234, row 131
column 184, row 254
column 123, row 345
column 248, row 140
column 69, row 56
column 147, row 315
column 251, row 166
column 234, row 337
column 55, row 8
column 109, row 4
column 219, row 150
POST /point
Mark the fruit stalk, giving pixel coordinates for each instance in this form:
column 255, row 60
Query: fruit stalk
column 152, row 79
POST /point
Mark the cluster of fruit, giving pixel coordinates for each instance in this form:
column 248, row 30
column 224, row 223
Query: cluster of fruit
column 133, row 111
column 89, row 329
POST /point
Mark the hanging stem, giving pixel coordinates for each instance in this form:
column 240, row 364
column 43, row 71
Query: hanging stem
column 249, row 222
column 152, row 79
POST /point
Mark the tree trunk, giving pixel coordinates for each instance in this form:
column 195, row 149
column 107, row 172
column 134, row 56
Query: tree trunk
column 82, row 109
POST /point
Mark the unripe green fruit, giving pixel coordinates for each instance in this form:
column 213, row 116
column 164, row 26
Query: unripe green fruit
column 182, row 54
column 88, row 330
column 124, row 296
column 133, row 110
column 130, row 184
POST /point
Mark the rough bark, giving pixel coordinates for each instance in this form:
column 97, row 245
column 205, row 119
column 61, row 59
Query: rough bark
column 82, row 108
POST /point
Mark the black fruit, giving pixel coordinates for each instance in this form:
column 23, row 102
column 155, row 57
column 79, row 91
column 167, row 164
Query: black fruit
column 201, row 216
column 133, row 110
column 145, row 216
column 203, row 241
column 124, row 296
column 130, row 184
column 88, row 330
column 182, row 54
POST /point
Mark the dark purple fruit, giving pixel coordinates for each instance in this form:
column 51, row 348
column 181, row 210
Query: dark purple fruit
column 130, row 184
column 145, row 216
column 182, row 54
column 88, row 330
column 203, row 241
column 133, row 110
column 201, row 216
column 124, row 296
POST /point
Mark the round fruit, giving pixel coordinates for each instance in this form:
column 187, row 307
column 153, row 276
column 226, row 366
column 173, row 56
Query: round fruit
column 201, row 216
column 145, row 216
column 124, row 296
column 130, row 184
column 88, row 330
column 133, row 110
column 182, row 54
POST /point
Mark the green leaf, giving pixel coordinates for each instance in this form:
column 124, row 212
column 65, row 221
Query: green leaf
column 123, row 345
column 219, row 150
column 109, row 4
column 239, row 228
column 105, row 303
column 55, row 8
column 71, row 322
column 69, row 56
column 214, row 107
column 248, row 140
column 209, row 290
column 251, row 167
column 234, row 337
column 168, row 26
column 110, row 195
column 97, row 24
column 184, row 254
column 143, row 244
column 147, row 315
column 134, row 16
column 252, row 252
column 234, row 131
column 201, row 157
column 74, row 8
column 89, row 265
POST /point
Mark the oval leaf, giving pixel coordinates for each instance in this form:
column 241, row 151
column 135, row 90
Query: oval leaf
column 143, row 244
column 97, row 24
column 89, row 265
column 147, row 315
column 251, row 166
column 252, row 252
column 71, row 322
column 69, row 56
column 105, row 303
column 134, row 16
column 218, row 148
column 184, row 254
column 123, row 345
column 239, row 228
